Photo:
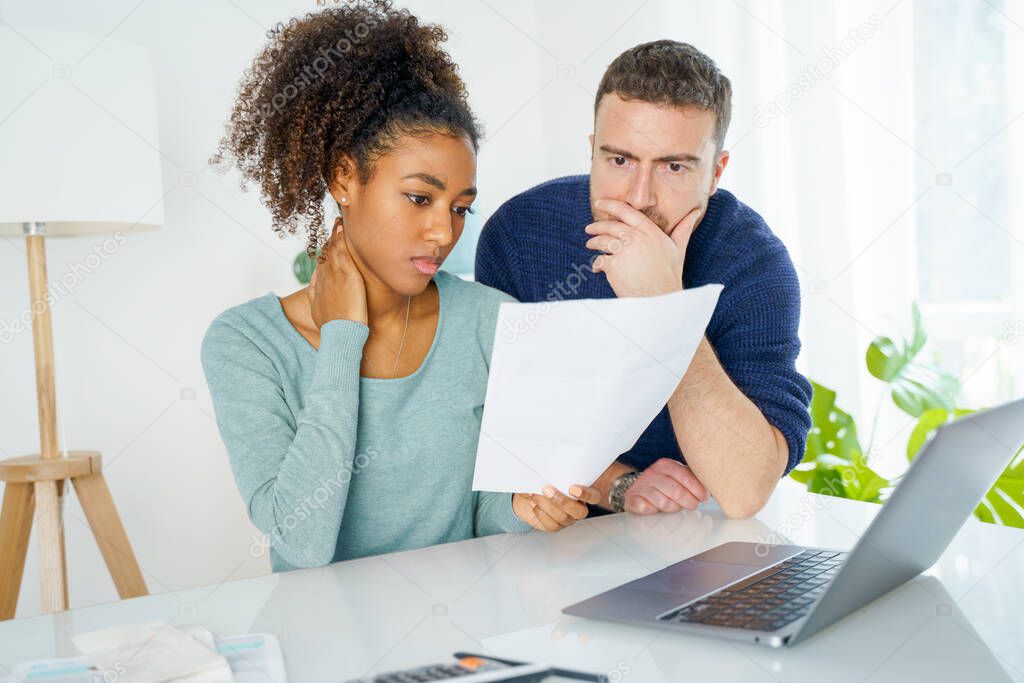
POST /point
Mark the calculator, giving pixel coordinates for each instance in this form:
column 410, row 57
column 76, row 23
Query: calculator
column 470, row 668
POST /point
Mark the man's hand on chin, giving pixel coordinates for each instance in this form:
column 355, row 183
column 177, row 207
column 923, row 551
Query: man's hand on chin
column 665, row 486
column 638, row 257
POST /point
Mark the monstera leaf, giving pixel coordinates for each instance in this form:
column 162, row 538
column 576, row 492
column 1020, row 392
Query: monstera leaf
column 833, row 430
column 916, row 384
column 1004, row 502
column 833, row 462
column 863, row 483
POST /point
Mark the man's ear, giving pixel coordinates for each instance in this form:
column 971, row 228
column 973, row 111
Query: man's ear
column 723, row 161
column 344, row 183
column 591, row 138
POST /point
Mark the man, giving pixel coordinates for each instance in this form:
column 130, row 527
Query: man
column 650, row 219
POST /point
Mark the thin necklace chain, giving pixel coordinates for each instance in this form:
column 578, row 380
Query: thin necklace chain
column 401, row 345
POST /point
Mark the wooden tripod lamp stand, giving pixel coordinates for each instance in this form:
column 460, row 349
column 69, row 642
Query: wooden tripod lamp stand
column 80, row 159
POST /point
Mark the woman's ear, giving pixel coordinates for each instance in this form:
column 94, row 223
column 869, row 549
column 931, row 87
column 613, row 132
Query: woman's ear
column 344, row 182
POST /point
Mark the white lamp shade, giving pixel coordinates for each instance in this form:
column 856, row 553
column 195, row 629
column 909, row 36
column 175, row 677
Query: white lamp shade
column 79, row 144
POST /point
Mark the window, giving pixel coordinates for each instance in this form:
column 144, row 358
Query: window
column 970, row 246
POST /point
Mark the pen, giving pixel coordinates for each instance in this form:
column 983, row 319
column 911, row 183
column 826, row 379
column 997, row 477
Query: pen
column 555, row 671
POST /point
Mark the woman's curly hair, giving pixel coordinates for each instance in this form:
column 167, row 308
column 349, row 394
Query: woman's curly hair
column 341, row 83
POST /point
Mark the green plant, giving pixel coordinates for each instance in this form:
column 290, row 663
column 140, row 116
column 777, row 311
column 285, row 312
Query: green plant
column 834, row 462
column 916, row 383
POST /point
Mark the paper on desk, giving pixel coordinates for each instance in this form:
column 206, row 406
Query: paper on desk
column 573, row 384
column 153, row 652
column 253, row 658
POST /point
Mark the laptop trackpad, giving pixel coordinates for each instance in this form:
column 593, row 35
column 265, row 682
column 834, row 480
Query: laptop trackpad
column 691, row 579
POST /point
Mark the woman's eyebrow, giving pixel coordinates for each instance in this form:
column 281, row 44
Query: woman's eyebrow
column 434, row 181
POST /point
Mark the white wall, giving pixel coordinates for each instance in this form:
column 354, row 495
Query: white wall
column 127, row 340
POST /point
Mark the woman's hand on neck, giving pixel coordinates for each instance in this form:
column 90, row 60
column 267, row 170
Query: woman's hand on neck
column 337, row 289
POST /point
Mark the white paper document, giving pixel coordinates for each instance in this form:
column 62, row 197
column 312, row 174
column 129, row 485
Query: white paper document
column 154, row 652
column 251, row 658
column 573, row 384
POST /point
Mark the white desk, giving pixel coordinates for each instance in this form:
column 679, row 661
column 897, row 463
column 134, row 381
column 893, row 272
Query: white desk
column 503, row 594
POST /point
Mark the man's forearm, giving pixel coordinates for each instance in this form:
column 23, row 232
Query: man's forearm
column 726, row 440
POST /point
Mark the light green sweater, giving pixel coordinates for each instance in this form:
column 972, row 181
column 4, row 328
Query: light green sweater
column 334, row 466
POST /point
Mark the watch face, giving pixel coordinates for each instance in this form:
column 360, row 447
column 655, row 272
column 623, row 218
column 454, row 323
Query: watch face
column 617, row 494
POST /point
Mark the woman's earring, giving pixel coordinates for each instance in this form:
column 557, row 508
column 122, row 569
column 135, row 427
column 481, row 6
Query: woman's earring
column 344, row 200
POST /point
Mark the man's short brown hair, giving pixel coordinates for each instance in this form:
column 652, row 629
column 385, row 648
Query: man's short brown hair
column 671, row 73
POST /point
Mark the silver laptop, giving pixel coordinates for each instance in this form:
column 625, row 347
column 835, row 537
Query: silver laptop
column 781, row 594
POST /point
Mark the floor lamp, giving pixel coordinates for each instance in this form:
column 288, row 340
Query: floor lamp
column 80, row 159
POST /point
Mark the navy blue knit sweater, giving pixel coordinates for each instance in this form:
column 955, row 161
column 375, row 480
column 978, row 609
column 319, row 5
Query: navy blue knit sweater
column 534, row 248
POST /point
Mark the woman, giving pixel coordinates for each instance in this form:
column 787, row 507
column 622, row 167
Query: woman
column 351, row 408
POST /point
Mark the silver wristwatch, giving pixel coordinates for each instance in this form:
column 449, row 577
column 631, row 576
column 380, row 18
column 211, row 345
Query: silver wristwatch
column 617, row 491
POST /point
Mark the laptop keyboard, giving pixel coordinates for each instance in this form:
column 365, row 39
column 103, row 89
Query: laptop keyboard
column 768, row 600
